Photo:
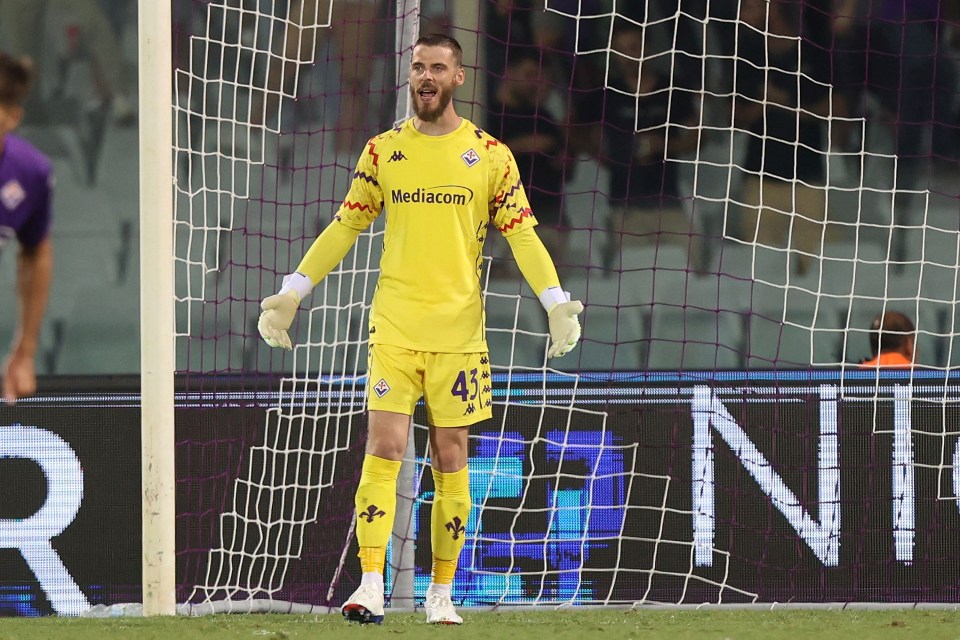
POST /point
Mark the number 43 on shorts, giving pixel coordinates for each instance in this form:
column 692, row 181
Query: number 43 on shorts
column 466, row 390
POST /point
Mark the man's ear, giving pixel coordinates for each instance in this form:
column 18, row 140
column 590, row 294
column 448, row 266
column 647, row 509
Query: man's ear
column 460, row 78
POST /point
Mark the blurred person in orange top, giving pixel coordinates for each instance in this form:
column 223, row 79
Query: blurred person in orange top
column 892, row 341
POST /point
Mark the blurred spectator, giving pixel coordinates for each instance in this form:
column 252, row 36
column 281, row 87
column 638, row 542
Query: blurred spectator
column 25, row 24
column 573, row 34
column 122, row 13
column 644, row 124
column 818, row 27
column 895, row 51
column 352, row 25
column 892, row 341
column 509, row 31
column 25, row 195
column 782, row 102
column 522, row 120
column 700, row 41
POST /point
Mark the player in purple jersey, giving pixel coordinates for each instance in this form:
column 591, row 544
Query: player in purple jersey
column 25, row 194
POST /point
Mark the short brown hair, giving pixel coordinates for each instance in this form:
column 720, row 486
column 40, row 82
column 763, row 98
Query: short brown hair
column 890, row 331
column 16, row 79
column 442, row 40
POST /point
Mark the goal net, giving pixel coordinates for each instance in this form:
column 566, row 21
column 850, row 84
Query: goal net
column 735, row 191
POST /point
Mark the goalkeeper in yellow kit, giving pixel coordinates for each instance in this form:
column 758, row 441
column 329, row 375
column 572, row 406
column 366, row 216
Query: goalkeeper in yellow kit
column 441, row 182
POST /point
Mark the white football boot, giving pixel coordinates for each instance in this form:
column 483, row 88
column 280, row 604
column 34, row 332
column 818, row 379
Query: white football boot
column 440, row 609
column 365, row 605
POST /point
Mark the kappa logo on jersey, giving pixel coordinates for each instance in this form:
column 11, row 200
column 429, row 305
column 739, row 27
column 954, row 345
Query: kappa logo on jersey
column 471, row 157
column 12, row 194
column 397, row 156
column 382, row 388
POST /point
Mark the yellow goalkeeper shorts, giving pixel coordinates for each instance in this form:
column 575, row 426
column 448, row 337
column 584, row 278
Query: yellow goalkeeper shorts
column 454, row 386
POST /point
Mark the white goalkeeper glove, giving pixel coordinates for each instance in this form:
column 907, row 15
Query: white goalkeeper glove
column 276, row 318
column 279, row 310
column 564, row 327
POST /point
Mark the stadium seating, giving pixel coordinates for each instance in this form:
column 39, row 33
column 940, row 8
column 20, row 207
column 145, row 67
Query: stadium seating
column 516, row 325
column 616, row 304
column 690, row 338
column 100, row 331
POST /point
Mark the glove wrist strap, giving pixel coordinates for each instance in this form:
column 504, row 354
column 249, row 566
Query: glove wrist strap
column 298, row 283
column 552, row 296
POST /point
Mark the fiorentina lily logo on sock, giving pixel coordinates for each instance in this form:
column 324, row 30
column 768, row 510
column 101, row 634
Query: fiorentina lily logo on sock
column 382, row 388
column 456, row 528
column 373, row 511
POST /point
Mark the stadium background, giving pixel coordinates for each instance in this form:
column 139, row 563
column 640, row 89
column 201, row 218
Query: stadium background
column 710, row 306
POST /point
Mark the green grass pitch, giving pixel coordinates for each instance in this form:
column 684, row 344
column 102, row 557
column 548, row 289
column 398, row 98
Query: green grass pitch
column 608, row 624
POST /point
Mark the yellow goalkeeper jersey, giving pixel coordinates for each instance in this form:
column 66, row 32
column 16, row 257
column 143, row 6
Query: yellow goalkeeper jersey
column 440, row 194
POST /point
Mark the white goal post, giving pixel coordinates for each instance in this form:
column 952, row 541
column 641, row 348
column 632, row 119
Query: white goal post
column 157, row 306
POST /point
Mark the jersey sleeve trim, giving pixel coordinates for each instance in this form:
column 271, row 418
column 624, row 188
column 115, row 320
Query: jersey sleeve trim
column 505, row 228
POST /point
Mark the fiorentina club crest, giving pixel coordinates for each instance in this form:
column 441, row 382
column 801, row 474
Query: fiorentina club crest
column 382, row 388
column 12, row 194
column 470, row 157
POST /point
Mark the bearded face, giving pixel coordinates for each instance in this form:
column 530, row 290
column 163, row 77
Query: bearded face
column 434, row 74
column 430, row 100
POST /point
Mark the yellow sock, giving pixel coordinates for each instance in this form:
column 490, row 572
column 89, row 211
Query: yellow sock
column 451, row 508
column 443, row 571
column 372, row 559
column 376, row 503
